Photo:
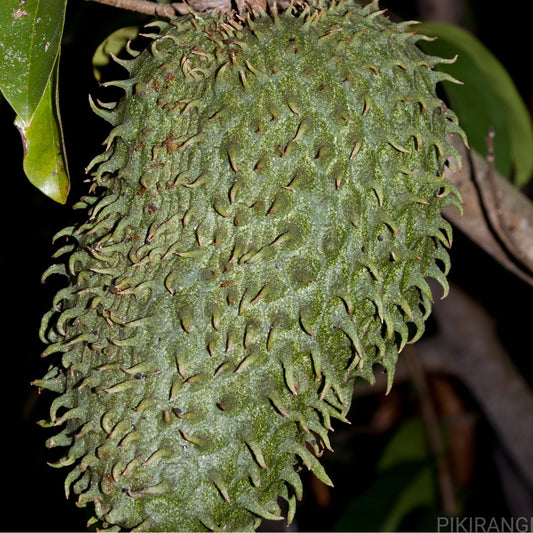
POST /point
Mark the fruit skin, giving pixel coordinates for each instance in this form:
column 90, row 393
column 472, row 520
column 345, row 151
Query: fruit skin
column 259, row 231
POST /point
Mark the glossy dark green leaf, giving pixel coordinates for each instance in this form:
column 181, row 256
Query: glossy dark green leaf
column 404, row 483
column 409, row 445
column 44, row 155
column 371, row 510
column 488, row 98
column 30, row 34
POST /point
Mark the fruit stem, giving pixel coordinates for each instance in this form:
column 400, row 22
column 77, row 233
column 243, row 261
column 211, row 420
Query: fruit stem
column 148, row 7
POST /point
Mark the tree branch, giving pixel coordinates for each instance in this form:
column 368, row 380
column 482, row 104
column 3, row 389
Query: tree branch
column 433, row 431
column 449, row 11
column 496, row 215
column 468, row 348
column 147, row 7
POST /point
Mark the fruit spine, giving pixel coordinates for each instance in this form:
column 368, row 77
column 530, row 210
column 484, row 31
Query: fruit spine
column 271, row 207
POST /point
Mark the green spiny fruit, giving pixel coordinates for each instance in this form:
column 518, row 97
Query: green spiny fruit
column 260, row 227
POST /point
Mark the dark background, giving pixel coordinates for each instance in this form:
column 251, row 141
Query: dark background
column 33, row 498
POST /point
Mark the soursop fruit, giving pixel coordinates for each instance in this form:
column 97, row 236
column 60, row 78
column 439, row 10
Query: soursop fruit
column 260, row 228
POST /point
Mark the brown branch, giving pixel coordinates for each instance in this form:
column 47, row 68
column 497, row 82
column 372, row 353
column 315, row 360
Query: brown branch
column 468, row 348
column 147, row 7
column 494, row 204
column 433, row 431
column 450, row 11
column 496, row 215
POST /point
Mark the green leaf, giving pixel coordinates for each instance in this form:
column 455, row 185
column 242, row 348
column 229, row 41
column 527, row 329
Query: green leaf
column 44, row 157
column 30, row 35
column 404, row 482
column 418, row 492
column 113, row 44
column 369, row 510
column 31, row 32
column 409, row 443
column 488, row 98
column 391, row 498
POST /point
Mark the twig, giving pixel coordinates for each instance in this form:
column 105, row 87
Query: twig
column 467, row 347
column 146, row 7
column 494, row 207
column 450, row 11
column 491, row 166
column 512, row 247
column 444, row 476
